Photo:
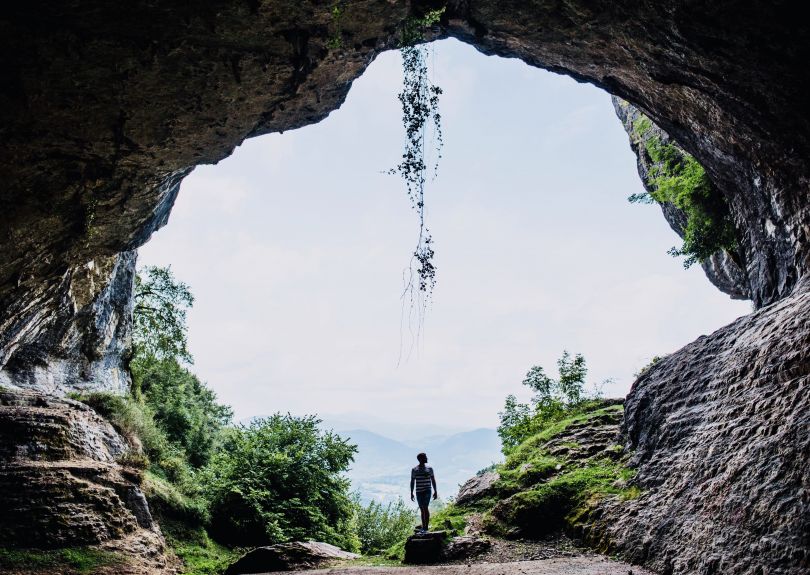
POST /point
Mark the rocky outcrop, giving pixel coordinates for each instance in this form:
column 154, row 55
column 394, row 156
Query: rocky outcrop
column 721, row 438
column 288, row 557
column 81, row 343
column 477, row 487
column 722, row 268
column 466, row 547
column 425, row 548
column 60, row 483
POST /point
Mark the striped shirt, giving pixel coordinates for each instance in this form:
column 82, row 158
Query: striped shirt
column 421, row 476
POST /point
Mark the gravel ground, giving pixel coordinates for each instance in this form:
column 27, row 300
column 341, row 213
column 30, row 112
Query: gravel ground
column 578, row 565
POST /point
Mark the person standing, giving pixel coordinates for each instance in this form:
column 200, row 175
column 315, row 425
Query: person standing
column 422, row 479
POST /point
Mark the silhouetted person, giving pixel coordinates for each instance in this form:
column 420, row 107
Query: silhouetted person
column 422, row 479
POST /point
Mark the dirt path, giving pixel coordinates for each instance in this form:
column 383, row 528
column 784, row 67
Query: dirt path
column 582, row 565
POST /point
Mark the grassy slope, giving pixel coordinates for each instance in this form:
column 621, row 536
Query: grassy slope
column 539, row 492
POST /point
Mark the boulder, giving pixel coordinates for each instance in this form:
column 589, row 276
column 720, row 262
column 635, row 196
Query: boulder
column 425, row 548
column 477, row 487
column 465, row 547
column 288, row 557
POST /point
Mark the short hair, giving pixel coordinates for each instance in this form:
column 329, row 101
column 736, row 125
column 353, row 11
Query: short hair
column 421, row 457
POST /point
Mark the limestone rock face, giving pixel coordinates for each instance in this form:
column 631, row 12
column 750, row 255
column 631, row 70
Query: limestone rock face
column 82, row 341
column 477, row 487
column 721, row 433
column 288, row 557
column 104, row 109
column 60, row 484
column 722, row 268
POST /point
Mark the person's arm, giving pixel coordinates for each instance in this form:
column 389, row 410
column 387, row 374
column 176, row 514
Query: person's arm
column 433, row 481
column 412, row 481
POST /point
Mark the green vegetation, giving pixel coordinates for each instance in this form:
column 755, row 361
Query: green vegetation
column 335, row 42
column 677, row 178
column 381, row 526
column 280, row 479
column 200, row 555
column 77, row 559
column 552, row 400
column 420, row 109
column 277, row 479
column 551, row 478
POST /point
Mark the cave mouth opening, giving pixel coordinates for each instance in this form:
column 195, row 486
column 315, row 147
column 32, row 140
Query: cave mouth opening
column 295, row 246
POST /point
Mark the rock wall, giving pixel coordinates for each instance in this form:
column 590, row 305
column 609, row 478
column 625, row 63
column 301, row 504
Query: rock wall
column 61, row 483
column 722, row 268
column 721, row 437
column 105, row 107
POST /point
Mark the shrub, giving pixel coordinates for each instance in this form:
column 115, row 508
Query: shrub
column 132, row 419
column 381, row 526
column 677, row 178
column 280, row 479
column 553, row 400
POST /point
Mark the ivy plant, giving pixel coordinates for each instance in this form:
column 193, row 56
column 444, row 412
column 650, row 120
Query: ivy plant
column 419, row 99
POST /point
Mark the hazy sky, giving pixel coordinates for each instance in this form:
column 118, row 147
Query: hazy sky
column 295, row 246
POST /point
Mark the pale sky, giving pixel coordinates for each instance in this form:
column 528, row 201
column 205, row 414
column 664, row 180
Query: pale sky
column 295, row 246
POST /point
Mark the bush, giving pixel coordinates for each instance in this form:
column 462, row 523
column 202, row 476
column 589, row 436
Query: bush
column 379, row 527
column 77, row 559
column 280, row 479
column 677, row 178
column 183, row 407
column 132, row 419
column 553, row 400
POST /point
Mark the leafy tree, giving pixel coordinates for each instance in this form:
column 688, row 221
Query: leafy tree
column 159, row 315
column 552, row 399
column 184, row 407
column 280, row 479
column 381, row 526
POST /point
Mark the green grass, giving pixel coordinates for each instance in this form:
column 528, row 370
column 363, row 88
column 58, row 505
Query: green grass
column 200, row 555
column 563, row 501
column 371, row 561
column 529, row 449
column 77, row 559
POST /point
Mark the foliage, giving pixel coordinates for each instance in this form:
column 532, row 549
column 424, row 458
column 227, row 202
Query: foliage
column 381, row 526
column 159, row 315
column 677, row 178
column 649, row 366
column 199, row 554
column 168, row 503
column 420, row 109
column 132, row 419
column 183, row 407
column 76, row 559
column 335, row 42
column 552, row 400
column 557, row 501
column 280, row 479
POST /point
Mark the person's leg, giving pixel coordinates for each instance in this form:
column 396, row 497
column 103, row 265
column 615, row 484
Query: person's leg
column 423, row 512
column 426, row 520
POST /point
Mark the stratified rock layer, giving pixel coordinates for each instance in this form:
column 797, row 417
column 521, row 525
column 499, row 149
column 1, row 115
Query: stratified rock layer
column 721, row 433
column 60, row 484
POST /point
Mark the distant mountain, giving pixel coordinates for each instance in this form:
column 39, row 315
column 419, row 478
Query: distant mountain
column 382, row 466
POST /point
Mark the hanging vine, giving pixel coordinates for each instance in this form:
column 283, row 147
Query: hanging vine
column 421, row 118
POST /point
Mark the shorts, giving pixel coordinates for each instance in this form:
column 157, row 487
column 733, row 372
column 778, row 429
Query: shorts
column 423, row 498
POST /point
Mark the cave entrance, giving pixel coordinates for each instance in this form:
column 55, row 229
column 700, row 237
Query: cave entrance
column 294, row 247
